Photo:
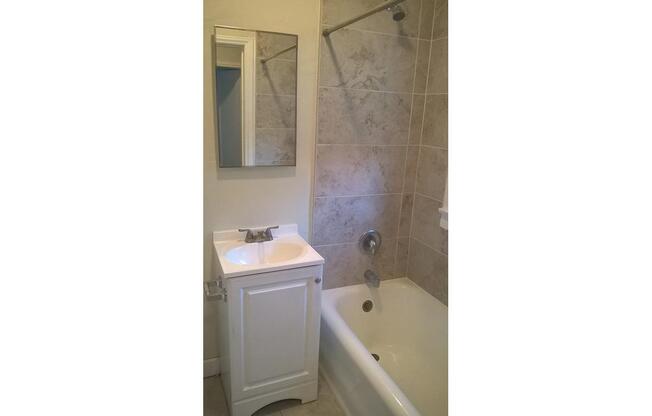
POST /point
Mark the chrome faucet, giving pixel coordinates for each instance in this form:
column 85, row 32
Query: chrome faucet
column 258, row 236
column 372, row 278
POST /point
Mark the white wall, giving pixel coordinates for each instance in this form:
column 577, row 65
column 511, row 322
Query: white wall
column 241, row 197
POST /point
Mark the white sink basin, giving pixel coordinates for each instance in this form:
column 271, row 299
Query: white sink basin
column 286, row 251
column 262, row 253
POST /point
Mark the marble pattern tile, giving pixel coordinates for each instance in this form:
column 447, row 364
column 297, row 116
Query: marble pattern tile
column 416, row 118
column 268, row 43
column 435, row 121
column 275, row 111
column 344, row 219
column 405, row 220
column 431, row 172
column 421, row 73
column 336, row 11
column 438, row 68
column 402, row 248
column 363, row 117
column 427, row 11
column 276, row 77
column 429, row 269
column 275, row 146
column 370, row 61
column 440, row 27
column 425, row 222
column 346, row 263
column 411, row 168
column 358, row 170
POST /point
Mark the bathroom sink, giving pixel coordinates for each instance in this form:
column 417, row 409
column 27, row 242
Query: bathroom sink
column 267, row 252
column 287, row 250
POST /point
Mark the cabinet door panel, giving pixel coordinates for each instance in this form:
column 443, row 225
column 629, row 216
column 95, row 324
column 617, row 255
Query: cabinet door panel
column 274, row 330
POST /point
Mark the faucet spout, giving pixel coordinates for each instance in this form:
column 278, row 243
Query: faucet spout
column 258, row 236
column 372, row 278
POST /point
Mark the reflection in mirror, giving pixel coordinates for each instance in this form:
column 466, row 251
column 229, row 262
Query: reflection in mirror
column 255, row 81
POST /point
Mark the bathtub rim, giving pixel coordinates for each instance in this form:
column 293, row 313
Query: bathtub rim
column 387, row 389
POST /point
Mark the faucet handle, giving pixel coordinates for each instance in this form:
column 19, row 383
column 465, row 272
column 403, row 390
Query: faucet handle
column 268, row 232
column 250, row 234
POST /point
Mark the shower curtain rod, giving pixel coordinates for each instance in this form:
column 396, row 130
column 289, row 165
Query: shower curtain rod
column 262, row 61
column 376, row 9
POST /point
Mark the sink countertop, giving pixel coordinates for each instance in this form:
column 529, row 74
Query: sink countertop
column 227, row 242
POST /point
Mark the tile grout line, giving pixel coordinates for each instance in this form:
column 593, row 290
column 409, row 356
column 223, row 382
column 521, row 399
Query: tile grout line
column 345, row 243
column 407, row 149
column 435, row 147
column 434, row 13
column 357, row 195
column 365, row 90
column 362, row 144
column 428, row 246
column 428, row 197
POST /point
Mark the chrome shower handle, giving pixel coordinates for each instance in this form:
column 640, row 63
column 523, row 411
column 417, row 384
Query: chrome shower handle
column 370, row 242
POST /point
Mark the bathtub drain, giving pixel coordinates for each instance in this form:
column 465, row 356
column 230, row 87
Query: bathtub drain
column 376, row 356
column 367, row 305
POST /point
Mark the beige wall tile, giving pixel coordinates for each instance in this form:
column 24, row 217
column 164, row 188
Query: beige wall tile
column 406, row 215
column 438, row 68
column 268, row 44
column 425, row 222
column 431, row 172
column 444, row 240
column 358, row 170
column 421, row 73
column 346, row 263
column 416, row 118
column 276, row 77
column 370, row 61
column 411, row 168
column 275, row 111
column 340, row 220
column 440, row 29
column 275, row 146
column 366, row 117
column 435, row 121
column 336, row 11
column 400, row 269
column 427, row 10
column 429, row 269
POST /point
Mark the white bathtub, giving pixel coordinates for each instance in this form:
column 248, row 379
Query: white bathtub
column 407, row 328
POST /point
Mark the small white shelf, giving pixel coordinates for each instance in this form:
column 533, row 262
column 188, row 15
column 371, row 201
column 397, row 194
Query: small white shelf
column 443, row 218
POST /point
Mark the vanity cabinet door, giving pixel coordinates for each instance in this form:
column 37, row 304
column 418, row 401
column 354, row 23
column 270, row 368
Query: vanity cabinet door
column 274, row 330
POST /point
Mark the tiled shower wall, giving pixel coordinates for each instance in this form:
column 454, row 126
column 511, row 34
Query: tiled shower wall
column 427, row 242
column 371, row 166
column 276, row 86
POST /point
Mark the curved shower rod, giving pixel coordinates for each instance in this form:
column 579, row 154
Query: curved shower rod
column 263, row 60
column 376, row 9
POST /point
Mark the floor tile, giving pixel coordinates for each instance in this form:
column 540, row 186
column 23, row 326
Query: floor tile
column 325, row 405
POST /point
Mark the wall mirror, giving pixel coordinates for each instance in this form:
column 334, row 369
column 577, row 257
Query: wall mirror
column 255, row 86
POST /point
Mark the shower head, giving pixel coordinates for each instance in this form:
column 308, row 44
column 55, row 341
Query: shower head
column 391, row 6
column 397, row 13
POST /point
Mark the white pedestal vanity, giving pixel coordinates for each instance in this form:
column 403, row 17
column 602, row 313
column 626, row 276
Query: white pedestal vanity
column 269, row 316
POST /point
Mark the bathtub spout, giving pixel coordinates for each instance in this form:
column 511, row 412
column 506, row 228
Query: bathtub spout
column 372, row 278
